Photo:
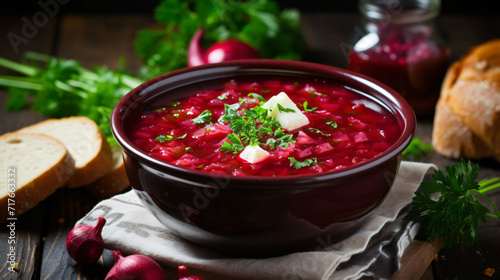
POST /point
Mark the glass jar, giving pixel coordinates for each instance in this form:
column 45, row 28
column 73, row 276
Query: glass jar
column 402, row 47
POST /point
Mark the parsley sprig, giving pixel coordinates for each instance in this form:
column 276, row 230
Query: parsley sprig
column 455, row 216
column 254, row 127
column 416, row 150
column 299, row 164
column 204, row 117
column 165, row 137
column 306, row 109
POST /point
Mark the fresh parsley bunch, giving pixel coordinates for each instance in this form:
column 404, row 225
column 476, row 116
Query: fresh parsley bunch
column 63, row 88
column 457, row 213
column 275, row 33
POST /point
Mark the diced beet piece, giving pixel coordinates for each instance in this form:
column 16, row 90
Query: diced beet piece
column 272, row 84
column 187, row 123
column 218, row 129
column 142, row 135
column 304, row 139
column 361, row 137
column 215, row 103
column 381, row 146
column 305, row 153
column 207, row 94
column 331, row 107
column 323, row 148
column 188, row 160
column 289, row 88
column 343, row 137
column 237, row 172
column 356, row 123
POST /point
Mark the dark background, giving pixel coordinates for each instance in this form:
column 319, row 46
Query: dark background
column 489, row 7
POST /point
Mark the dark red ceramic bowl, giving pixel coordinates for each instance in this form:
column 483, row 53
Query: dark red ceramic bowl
column 257, row 216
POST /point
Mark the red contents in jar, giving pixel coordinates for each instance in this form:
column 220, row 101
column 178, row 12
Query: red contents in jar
column 407, row 60
column 345, row 128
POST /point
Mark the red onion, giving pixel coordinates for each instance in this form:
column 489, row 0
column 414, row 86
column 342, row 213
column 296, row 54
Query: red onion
column 134, row 267
column 184, row 275
column 84, row 243
column 229, row 49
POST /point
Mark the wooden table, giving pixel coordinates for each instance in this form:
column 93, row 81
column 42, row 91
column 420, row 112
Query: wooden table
column 102, row 39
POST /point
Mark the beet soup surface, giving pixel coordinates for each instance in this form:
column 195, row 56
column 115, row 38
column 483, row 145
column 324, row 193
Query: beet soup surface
column 261, row 215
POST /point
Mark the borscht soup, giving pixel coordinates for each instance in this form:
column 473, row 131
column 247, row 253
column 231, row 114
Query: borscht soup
column 265, row 126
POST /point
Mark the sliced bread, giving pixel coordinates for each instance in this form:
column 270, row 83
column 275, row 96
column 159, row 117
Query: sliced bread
column 33, row 166
column 115, row 181
column 85, row 143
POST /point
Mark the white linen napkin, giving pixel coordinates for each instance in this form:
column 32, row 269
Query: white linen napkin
column 374, row 250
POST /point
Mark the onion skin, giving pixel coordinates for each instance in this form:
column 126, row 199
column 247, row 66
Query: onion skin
column 134, row 267
column 85, row 244
column 184, row 275
column 229, row 49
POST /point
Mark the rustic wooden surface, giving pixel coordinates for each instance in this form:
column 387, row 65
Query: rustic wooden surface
column 103, row 39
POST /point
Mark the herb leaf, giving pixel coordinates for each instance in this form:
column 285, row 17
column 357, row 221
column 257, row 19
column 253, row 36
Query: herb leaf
column 416, row 150
column 164, row 137
column 332, row 124
column 235, row 146
column 307, row 109
column 222, row 96
column 319, row 131
column 284, row 110
column 299, row 164
column 204, row 117
column 258, row 96
column 455, row 216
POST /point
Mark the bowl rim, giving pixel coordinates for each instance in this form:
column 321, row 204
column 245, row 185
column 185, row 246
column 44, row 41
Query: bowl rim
column 399, row 104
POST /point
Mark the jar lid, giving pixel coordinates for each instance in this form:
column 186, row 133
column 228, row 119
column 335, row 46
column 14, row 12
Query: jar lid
column 399, row 11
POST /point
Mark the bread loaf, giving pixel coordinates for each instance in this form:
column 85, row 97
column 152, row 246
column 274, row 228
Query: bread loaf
column 35, row 166
column 469, row 105
column 85, row 143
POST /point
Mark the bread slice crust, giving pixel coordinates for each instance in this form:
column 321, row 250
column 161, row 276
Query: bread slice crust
column 471, row 90
column 33, row 179
column 84, row 141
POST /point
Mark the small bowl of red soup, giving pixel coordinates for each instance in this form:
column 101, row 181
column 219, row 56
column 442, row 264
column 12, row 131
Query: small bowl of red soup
column 262, row 157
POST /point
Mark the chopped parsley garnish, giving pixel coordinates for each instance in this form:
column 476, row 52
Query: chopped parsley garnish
column 281, row 139
column 258, row 96
column 252, row 127
column 163, row 138
column 242, row 100
column 308, row 109
column 332, row 123
column 235, row 147
column 204, row 117
column 299, row 164
column 283, row 109
column 222, row 96
column 175, row 103
column 318, row 131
